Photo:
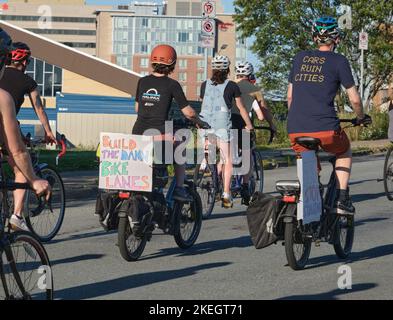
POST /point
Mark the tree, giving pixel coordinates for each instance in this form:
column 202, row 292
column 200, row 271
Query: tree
column 282, row 28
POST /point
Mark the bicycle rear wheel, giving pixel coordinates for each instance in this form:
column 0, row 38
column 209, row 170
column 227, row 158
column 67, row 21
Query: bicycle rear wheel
column 45, row 220
column 25, row 258
column 344, row 234
column 188, row 221
column 388, row 174
column 131, row 247
column 205, row 180
column 297, row 247
column 257, row 175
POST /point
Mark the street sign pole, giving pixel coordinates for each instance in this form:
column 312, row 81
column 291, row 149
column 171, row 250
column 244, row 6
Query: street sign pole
column 363, row 45
column 208, row 29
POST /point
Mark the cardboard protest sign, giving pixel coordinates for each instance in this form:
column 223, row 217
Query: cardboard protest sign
column 126, row 162
column 309, row 207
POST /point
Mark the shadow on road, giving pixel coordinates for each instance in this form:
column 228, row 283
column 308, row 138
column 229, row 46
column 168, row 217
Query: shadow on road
column 204, row 248
column 353, row 183
column 332, row 295
column 80, row 258
column 373, row 253
column 365, row 221
column 98, row 289
column 227, row 215
column 367, row 196
column 84, row 236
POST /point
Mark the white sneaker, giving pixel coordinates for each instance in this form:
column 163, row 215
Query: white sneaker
column 18, row 224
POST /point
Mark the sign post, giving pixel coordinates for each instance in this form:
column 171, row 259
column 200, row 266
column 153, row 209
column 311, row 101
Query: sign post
column 363, row 45
column 208, row 35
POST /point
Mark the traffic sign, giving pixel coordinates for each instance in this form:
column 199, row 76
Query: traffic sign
column 208, row 27
column 208, row 41
column 363, row 41
column 209, row 9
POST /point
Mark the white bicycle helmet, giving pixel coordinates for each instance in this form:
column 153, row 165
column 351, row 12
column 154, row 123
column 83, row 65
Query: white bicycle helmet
column 220, row 63
column 244, row 68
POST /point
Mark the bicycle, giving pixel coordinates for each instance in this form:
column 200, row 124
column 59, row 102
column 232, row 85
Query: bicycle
column 22, row 256
column 182, row 220
column 337, row 230
column 388, row 173
column 45, row 221
column 209, row 184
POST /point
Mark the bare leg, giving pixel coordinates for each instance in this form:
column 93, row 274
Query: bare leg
column 19, row 194
column 343, row 169
column 226, row 156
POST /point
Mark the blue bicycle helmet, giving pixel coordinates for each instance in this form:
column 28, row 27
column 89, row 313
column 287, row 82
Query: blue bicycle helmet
column 325, row 30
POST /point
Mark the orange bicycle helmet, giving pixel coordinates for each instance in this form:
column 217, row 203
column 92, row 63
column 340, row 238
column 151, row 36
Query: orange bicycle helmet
column 163, row 54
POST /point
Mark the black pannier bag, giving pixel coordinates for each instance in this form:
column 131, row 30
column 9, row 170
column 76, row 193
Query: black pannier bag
column 107, row 209
column 263, row 219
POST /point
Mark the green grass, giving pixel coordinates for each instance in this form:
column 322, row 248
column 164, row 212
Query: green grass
column 72, row 161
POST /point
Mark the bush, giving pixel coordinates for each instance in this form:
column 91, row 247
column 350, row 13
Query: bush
column 378, row 129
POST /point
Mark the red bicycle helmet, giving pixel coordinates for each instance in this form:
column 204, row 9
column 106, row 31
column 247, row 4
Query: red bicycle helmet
column 163, row 54
column 21, row 52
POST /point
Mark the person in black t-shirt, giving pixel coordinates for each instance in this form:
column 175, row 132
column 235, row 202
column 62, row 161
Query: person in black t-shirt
column 18, row 84
column 153, row 100
column 10, row 135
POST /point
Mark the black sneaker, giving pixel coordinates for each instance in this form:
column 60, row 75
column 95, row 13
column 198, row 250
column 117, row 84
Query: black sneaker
column 181, row 194
column 245, row 194
column 344, row 207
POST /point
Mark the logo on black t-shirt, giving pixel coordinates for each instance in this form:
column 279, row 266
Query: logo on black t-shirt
column 151, row 95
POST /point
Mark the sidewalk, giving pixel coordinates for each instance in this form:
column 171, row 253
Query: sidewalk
column 286, row 156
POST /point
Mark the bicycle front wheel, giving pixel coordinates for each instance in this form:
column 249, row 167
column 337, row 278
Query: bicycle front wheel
column 25, row 269
column 131, row 247
column 344, row 234
column 205, row 180
column 45, row 220
column 388, row 174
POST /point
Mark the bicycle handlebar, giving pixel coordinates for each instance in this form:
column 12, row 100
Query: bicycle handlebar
column 60, row 142
column 272, row 132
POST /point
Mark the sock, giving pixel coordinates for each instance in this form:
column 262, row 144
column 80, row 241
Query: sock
column 342, row 194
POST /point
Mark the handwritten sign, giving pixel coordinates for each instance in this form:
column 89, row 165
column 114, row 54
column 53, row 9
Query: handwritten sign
column 309, row 207
column 126, row 162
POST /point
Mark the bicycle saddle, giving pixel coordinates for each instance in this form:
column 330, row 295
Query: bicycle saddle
column 309, row 142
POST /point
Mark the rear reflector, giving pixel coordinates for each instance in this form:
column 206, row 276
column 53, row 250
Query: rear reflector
column 124, row 195
column 289, row 199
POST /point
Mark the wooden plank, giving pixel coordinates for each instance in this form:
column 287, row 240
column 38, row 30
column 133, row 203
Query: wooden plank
column 76, row 61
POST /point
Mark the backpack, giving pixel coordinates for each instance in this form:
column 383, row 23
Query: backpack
column 107, row 209
column 263, row 219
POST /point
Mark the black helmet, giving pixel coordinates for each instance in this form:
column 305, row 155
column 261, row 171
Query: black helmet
column 5, row 48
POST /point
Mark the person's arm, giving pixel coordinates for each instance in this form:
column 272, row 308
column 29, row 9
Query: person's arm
column 244, row 113
column 13, row 139
column 257, row 109
column 356, row 102
column 265, row 109
column 289, row 95
column 36, row 102
column 136, row 106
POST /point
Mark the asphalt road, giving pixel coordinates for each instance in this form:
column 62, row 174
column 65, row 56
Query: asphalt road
column 223, row 264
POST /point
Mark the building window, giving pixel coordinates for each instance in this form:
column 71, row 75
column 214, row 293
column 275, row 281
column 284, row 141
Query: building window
column 182, row 64
column 200, row 77
column 144, row 73
column 183, row 36
column 182, row 76
column 201, row 64
column 144, row 48
column 144, row 62
column 198, row 91
column 48, row 77
column 185, row 90
column 145, row 22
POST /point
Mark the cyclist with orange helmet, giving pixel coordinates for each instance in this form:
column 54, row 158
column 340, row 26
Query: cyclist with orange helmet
column 18, row 84
column 10, row 135
column 153, row 100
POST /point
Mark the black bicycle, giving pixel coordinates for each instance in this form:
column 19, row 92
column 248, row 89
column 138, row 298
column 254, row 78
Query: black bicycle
column 25, row 269
column 388, row 173
column 45, row 219
column 337, row 230
column 209, row 183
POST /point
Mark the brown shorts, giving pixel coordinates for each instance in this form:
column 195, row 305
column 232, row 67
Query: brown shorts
column 335, row 142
